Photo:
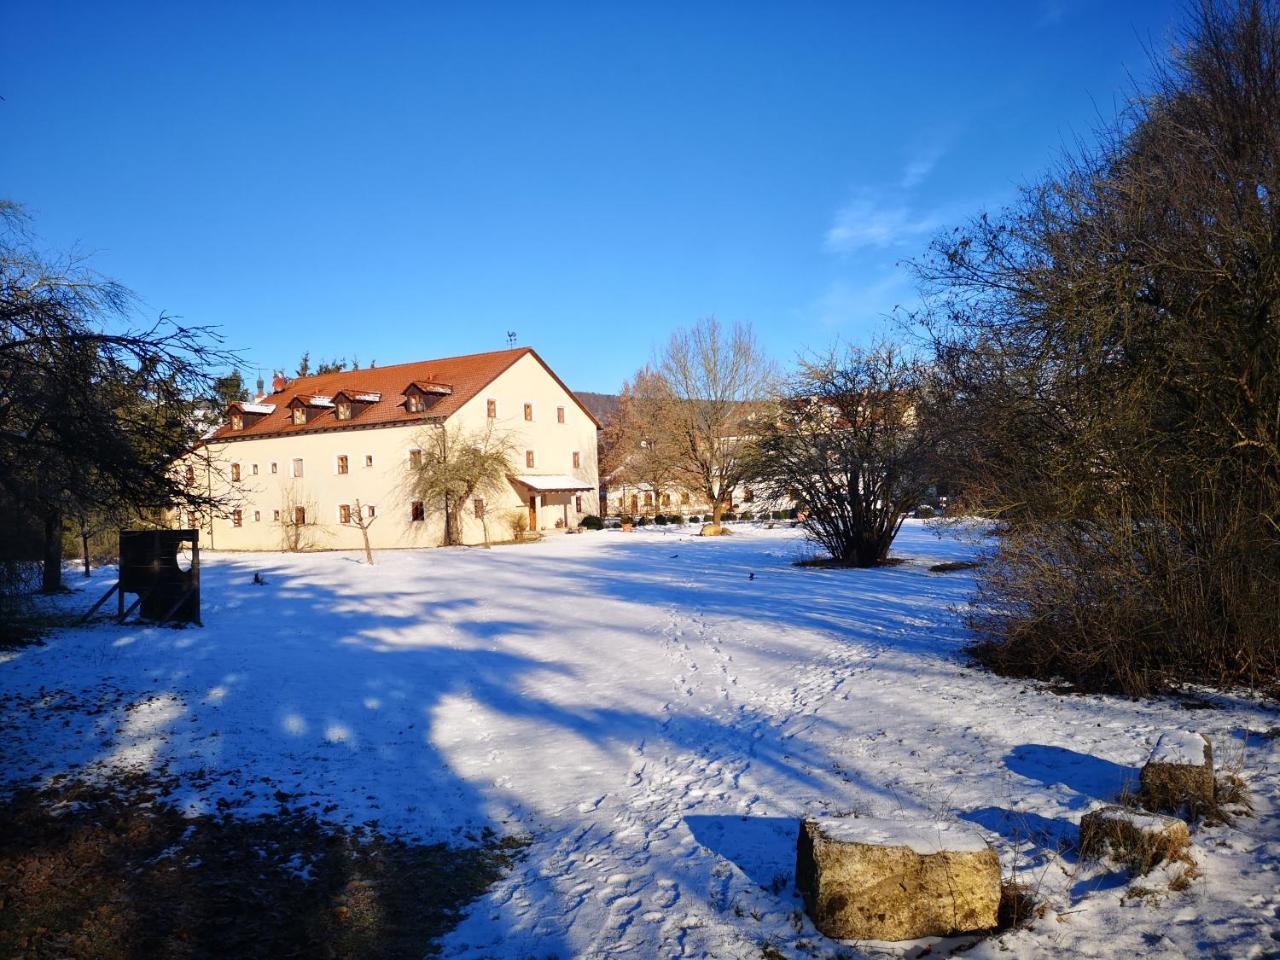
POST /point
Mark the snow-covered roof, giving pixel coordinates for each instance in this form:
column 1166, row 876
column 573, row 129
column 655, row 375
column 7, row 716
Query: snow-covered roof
column 258, row 407
column 312, row 400
column 552, row 482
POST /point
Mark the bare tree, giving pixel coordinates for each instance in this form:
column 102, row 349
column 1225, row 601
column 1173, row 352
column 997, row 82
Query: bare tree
column 457, row 465
column 93, row 408
column 297, row 519
column 715, row 382
column 640, row 441
column 362, row 519
column 854, row 443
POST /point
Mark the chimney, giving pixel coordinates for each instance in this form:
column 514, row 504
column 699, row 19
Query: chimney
column 279, row 382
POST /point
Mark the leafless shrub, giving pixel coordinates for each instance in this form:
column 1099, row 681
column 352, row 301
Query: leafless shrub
column 1112, row 356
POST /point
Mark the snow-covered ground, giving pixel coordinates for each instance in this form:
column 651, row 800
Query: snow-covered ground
column 657, row 720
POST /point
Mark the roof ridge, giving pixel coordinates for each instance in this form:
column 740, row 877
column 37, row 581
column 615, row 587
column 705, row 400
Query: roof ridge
column 293, row 381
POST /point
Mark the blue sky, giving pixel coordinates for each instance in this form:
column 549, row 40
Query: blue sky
column 403, row 181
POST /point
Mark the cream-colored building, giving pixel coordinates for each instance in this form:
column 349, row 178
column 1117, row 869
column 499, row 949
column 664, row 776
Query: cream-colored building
column 303, row 467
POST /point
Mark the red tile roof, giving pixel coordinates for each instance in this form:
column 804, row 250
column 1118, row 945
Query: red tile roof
column 467, row 376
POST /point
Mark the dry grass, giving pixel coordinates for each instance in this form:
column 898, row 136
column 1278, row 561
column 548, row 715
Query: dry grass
column 108, row 874
column 1018, row 906
column 1137, row 850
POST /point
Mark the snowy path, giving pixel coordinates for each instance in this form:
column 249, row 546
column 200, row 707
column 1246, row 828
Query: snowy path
column 658, row 720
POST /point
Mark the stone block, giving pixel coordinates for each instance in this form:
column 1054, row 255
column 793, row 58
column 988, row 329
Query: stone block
column 1179, row 774
column 1134, row 838
column 875, row 879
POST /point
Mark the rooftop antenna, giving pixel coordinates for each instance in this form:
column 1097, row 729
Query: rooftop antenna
column 511, row 338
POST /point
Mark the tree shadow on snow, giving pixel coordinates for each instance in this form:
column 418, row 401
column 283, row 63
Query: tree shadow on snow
column 764, row 848
column 1091, row 778
column 1021, row 826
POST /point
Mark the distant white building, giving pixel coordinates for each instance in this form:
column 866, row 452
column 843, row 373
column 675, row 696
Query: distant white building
column 295, row 462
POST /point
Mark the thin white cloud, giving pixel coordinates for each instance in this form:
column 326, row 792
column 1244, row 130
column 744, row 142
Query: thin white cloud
column 868, row 221
column 843, row 304
column 920, row 167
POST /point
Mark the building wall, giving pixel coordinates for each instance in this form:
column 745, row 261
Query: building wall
column 384, row 485
column 639, row 499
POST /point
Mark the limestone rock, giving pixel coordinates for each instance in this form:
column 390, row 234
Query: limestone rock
column 873, row 879
column 1137, row 839
column 1179, row 774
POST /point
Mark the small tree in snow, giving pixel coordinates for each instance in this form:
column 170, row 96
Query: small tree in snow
column 457, row 466
column 362, row 519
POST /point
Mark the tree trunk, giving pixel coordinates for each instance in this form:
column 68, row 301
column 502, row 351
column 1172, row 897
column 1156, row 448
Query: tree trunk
column 449, row 524
column 84, row 550
column 51, row 577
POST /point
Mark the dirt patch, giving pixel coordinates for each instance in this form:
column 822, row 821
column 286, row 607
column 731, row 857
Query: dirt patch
column 90, row 871
column 828, row 562
column 953, row 565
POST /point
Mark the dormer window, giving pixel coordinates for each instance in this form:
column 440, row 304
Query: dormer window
column 243, row 414
column 349, row 403
column 421, row 395
column 299, row 415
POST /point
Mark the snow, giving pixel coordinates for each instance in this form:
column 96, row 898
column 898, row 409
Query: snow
column 924, row 838
column 656, row 721
column 1179, row 747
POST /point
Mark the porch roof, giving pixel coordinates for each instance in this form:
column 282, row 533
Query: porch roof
column 551, row 482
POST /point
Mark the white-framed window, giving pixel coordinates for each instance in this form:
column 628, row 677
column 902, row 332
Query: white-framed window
column 275, row 467
column 559, row 414
column 254, row 469
column 528, row 411
column 491, row 409
column 368, row 459
column 235, row 473
column 342, row 410
column 237, row 422
column 297, row 467
column 342, row 464
column 370, row 510
column 299, row 415
column 275, row 515
column 415, row 458
column 577, row 460
column 344, row 513
column 237, row 518
column 528, row 459
column 257, row 516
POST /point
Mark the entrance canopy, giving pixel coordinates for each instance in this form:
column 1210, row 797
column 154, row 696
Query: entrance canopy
column 552, row 483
